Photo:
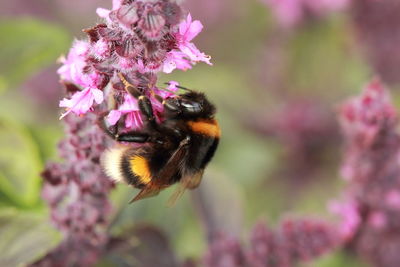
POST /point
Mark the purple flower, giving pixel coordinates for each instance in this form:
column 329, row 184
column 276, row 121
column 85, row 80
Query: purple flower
column 224, row 251
column 82, row 101
column 372, row 169
column 187, row 31
column 176, row 60
column 350, row 218
column 138, row 37
column 131, row 110
column 76, row 191
column 72, row 69
column 294, row 241
column 136, row 40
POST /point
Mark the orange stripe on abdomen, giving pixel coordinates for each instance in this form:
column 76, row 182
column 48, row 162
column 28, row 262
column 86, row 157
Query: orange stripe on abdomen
column 140, row 167
column 205, row 127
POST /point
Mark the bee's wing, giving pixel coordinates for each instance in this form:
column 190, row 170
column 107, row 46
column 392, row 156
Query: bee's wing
column 145, row 193
column 187, row 182
column 164, row 176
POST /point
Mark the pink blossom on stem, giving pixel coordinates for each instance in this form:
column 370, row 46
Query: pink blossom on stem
column 292, row 12
column 73, row 65
column 187, row 31
column 350, row 218
column 372, row 169
column 142, row 37
column 82, row 101
column 135, row 40
column 129, row 109
column 176, row 60
column 293, row 242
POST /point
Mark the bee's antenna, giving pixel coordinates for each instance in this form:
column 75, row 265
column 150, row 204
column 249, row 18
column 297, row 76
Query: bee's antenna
column 165, row 89
column 181, row 87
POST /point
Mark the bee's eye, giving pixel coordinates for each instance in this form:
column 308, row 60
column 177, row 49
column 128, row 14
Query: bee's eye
column 172, row 104
column 192, row 107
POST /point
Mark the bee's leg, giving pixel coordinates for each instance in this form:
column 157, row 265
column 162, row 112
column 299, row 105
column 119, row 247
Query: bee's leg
column 133, row 136
column 103, row 126
column 144, row 103
column 146, row 109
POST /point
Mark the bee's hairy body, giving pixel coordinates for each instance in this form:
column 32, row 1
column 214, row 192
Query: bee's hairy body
column 139, row 166
column 175, row 150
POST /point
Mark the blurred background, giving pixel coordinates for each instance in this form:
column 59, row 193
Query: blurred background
column 279, row 73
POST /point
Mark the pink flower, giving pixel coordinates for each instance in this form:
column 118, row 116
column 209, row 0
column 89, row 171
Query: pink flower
column 73, row 69
column 81, row 101
column 363, row 117
column 176, row 60
column 130, row 109
column 73, row 65
column 101, row 49
column 350, row 218
column 173, row 86
column 187, row 31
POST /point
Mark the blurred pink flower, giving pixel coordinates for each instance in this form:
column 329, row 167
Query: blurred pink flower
column 77, row 192
column 292, row 12
column 293, row 242
column 372, row 169
column 350, row 218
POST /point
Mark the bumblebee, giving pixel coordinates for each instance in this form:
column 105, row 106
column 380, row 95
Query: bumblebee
column 175, row 150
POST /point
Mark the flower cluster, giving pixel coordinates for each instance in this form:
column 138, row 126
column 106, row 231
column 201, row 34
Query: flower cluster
column 77, row 192
column 372, row 168
column 293, row 242
column 292, row 12
column 138, row 39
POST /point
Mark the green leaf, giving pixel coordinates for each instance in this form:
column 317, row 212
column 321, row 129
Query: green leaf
column 20, row 167
column 25, row 238
column 28, row 45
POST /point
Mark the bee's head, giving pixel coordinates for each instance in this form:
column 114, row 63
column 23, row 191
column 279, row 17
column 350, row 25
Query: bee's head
column 189, row 105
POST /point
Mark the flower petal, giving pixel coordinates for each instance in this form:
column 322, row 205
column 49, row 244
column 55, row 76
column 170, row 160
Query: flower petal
column 113, row 117
column 188, row 29
column 102, row 12
column 98, row 95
